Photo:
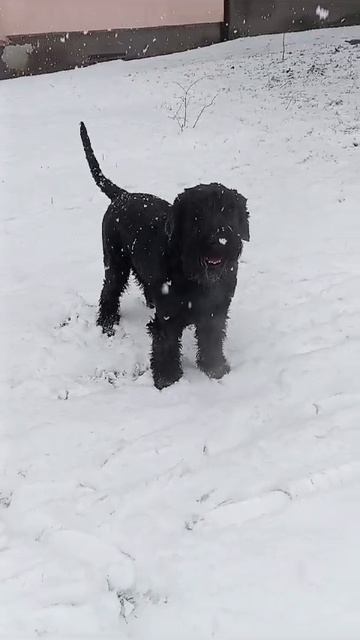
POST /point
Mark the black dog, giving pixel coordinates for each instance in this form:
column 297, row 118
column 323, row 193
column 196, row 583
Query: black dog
column 185, row 256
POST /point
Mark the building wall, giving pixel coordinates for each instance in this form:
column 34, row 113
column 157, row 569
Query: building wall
column 43, row 16
column 40, row 36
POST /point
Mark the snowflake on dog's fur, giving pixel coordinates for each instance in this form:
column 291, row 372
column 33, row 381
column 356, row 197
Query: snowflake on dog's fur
column 165, row 288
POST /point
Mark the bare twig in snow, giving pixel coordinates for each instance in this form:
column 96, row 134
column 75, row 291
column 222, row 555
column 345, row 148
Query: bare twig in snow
column 181, row 114
column 283, row 47
column 206, row 106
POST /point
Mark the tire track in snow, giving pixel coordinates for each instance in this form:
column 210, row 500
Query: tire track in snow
column 232, row 512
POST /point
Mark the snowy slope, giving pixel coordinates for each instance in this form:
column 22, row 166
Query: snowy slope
column 225, row 510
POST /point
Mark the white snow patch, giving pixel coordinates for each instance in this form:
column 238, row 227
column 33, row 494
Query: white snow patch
column 16, row 56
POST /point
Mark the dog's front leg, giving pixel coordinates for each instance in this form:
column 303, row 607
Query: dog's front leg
column 210, row 335
column 166, row 351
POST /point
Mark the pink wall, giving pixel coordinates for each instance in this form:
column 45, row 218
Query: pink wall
column 41, row 16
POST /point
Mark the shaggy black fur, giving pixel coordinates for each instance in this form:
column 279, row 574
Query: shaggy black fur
column 185, row 256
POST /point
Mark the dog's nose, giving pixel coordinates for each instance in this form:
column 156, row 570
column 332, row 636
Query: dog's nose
column 217, row 235
column 217, row 240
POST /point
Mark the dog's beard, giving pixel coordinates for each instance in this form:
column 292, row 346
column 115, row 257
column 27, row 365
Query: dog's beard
column 213, row 268
column 204, row 269
column 206, row 264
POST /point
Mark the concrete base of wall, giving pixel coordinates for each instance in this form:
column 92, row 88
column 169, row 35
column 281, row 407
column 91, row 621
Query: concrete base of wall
column 44, row 53
column 257, row 17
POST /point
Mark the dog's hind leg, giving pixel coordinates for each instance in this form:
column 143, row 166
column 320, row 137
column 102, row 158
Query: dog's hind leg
column 117, row 271
column 166, row 354
column 210, row 335
column 145, row 289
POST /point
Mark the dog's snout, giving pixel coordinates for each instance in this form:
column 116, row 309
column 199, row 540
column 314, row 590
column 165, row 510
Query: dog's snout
column 218, row 239
column 214, row 236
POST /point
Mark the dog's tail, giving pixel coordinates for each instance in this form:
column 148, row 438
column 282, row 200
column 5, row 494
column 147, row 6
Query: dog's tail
column 109, row 188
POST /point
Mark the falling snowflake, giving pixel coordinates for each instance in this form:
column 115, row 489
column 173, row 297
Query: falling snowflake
column 322, row 13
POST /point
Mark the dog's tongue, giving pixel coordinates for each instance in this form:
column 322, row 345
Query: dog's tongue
column 214, row 261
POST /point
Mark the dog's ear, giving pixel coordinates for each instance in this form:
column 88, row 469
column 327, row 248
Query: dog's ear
column 172, row 221
column 243, row 215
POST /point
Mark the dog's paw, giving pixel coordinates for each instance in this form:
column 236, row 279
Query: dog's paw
column 215, row 370
column 107, row 324
column 161, row 380
column 108, row 331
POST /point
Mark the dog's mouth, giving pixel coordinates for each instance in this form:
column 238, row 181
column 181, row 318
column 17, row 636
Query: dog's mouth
column 213, row 262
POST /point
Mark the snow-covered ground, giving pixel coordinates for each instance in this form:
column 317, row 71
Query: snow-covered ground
column 225, row 510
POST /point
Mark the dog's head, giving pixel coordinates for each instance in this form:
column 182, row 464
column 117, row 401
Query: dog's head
column 207, row 226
